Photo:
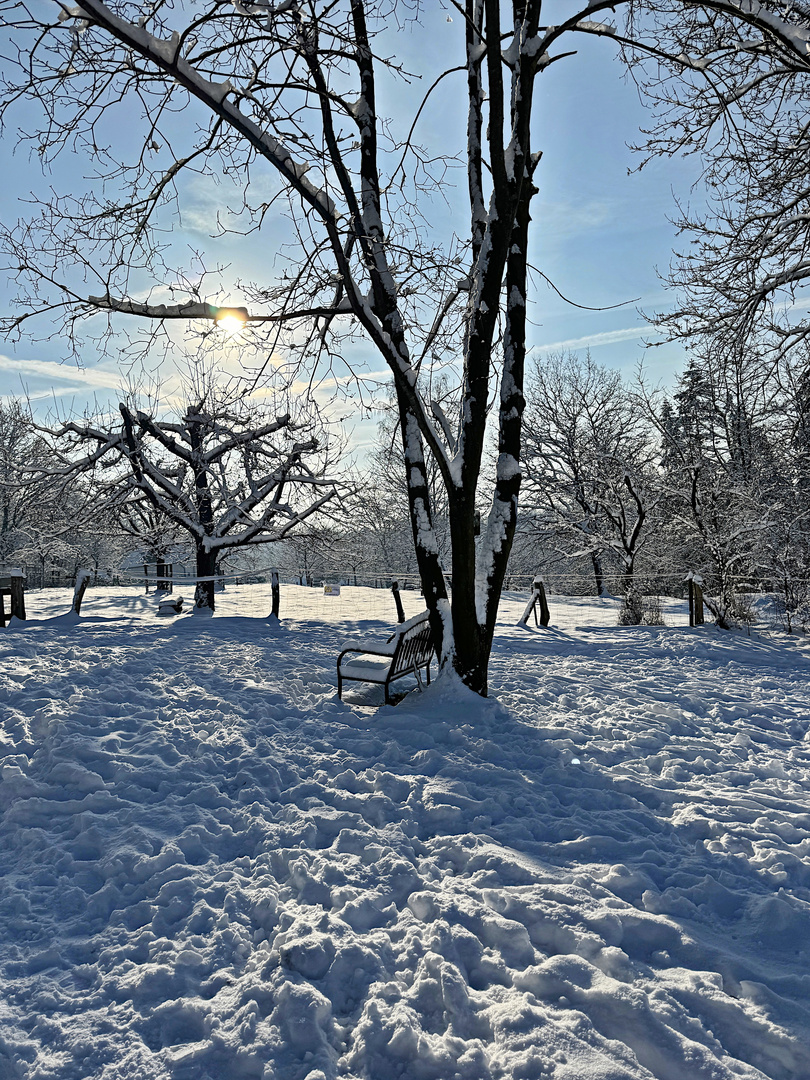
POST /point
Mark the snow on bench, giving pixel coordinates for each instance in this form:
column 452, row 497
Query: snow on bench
column 172, row 605
column 406, row 652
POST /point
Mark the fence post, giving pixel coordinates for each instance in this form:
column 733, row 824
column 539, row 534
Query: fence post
column 538, row 597
column 17, row 590
column 540, row 589
column 398, row 601
column 164, row 572
column 695, row 600
column 79, row 588
column 276, row 592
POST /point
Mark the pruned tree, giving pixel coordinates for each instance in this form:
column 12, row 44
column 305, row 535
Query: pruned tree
column 224, row 472
column 295, row 85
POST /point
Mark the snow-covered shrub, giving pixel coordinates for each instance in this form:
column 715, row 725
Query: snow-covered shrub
column 631, row 612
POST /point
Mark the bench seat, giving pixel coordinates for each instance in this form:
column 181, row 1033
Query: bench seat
column 364, row 669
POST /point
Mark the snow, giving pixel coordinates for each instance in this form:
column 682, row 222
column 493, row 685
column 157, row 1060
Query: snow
column 798, row 37
column 212, row 868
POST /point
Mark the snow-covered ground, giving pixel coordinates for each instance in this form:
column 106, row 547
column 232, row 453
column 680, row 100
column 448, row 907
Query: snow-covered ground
column 212, row 869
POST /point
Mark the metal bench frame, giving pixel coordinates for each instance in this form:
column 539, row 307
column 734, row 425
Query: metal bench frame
column 408, row 651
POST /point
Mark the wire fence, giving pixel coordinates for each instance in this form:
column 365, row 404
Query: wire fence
column 327, row 602
column 661, row 601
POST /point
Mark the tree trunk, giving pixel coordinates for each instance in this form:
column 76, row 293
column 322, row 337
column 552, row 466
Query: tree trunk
column 79, row 589
column 275, row 592
column 495, row 544
column 431, row 576
column 598, row 573
column 204, row 591
column 628, row 578
column 206, row 559
column 471, row 657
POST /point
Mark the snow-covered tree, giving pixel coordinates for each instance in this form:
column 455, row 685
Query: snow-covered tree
column 27, row 505
column 226, row 473
column 588, row 460
column 784, row 555
column 740, row 280
column 156, row 537
column 718, row 475
column 296, row 86
column 379, row 511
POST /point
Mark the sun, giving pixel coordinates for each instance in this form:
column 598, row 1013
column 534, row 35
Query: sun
column 231, row 320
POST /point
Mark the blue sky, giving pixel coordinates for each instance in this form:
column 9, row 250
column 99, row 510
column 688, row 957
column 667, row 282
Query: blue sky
column 599, row 232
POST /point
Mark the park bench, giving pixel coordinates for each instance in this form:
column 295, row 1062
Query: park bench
column 408, row 651
column 12, row 584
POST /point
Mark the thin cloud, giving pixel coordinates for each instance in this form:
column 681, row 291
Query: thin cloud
column 799, row 303
column 51, row 392
column 46, row 369
column 592, row 341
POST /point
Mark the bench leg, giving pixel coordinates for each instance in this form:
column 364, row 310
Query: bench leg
column 18, row 597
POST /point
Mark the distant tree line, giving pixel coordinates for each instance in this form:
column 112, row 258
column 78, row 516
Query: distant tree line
column 628, row 489
column 625, row 484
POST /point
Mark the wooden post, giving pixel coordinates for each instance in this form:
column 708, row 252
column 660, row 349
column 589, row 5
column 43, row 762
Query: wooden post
column 538, row 598
column 695, row 600
column 276, row 592
column 79, row 588
column 18, row 594
column 163, row 573
column 539, row 586
column 690, row 585
column 698, row 603
column 398, row 601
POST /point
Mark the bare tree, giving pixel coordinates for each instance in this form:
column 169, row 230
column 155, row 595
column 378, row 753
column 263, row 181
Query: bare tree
column 150, row 531
column 226, row 475
column 295, row 85
column 739, row 279
column 25, row 503
column 589, row 461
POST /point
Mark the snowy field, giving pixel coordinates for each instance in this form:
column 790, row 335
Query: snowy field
column 212, row 869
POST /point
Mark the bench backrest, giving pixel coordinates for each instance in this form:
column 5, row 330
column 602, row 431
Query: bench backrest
column 414, row 648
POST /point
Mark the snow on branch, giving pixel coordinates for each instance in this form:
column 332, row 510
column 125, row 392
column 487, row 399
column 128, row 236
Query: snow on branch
column 190, row 310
